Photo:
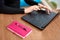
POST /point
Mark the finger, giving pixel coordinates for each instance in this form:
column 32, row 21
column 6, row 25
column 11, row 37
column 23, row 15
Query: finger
column 47, row 9
column 40, row 5
column 36, row 8
column 43, row 6
column 48, row 12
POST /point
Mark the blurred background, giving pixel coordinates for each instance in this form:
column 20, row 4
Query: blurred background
column 55, row 4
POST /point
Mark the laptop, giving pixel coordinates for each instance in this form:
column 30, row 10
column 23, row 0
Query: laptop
column 39, row 19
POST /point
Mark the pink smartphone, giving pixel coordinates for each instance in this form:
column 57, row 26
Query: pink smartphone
column 19, row 29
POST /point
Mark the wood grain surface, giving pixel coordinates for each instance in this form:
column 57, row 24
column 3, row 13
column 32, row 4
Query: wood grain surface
column 51, row 32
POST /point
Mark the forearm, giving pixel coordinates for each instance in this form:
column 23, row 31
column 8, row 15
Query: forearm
column 10, row 10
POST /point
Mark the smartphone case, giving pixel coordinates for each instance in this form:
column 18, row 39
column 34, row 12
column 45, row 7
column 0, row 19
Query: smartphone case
column 19, row 29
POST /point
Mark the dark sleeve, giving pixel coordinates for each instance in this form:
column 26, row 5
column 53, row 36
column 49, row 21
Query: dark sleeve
column 11, row 10
column 31, row 2
column 6, row 9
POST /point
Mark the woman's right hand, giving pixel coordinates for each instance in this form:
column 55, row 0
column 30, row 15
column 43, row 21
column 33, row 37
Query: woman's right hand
column 31, row 8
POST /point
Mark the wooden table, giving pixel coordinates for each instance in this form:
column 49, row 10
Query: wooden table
column 51, row 32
